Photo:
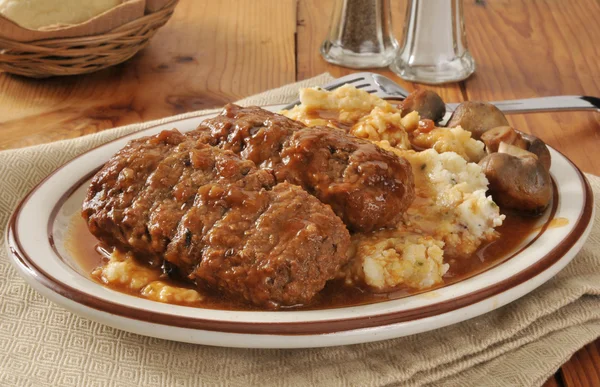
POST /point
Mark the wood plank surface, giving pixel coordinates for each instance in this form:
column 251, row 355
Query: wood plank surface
column 583, row 369
column 540, row 53
column 210, row 53
column 553, row 382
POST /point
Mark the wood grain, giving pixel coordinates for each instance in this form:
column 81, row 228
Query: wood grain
column 583, row 369
column 209, row 53
column 553, row 382
column 535, row 48
column 313, row 25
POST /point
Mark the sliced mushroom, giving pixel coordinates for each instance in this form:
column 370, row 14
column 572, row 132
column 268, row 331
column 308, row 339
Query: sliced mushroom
column 538, row 147
column 518, row 179
column 427, row 103
column 515, row 151
column 493, row 137
column 477, row 117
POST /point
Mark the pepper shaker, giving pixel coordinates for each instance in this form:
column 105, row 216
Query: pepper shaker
column 360, row 34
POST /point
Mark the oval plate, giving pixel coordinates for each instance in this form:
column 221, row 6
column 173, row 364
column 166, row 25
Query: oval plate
column 37, row 232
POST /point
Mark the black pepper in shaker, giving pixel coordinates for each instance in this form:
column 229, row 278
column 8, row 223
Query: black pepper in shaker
column 360, row 34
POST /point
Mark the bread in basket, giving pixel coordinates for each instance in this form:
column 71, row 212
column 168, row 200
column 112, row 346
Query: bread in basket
column 103, row 41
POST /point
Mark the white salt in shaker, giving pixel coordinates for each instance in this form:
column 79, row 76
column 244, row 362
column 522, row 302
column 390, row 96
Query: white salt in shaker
column 435, row 44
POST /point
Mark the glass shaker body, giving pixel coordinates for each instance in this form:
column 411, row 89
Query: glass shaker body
column 434, row 49
column 360, row 34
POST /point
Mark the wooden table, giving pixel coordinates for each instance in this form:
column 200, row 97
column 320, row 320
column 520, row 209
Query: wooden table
column 214, row 52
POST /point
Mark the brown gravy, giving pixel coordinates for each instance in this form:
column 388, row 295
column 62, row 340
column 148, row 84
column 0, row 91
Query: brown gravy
column 330, row 116
column 556, row 223
column 85, row 248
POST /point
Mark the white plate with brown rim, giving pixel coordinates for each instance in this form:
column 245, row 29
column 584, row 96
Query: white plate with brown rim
column 38, row 231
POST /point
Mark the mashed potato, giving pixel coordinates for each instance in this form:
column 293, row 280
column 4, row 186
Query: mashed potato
column 451, row 215
column 163, row 292
column 395, row 257
column 451, row 204
column 124, row 272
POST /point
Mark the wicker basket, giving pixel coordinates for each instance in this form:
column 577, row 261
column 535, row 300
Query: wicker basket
column 85, row 54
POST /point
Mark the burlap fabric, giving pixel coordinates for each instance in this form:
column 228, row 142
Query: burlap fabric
column 521, row 344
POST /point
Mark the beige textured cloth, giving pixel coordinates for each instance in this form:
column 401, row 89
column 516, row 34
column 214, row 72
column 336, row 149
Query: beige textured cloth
column 521, row 344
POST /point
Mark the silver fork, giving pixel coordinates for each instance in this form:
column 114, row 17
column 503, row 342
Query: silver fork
column 387, row 89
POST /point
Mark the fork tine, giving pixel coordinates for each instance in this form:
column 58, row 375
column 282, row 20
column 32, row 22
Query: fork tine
column 388, row 87
column 342, row 83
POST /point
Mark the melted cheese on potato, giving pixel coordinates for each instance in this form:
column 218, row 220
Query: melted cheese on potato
column 363, row 114
column 455, row 140
column 122, row 270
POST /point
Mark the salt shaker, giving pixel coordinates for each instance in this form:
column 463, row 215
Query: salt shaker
column 360, row 34
column 435, row 44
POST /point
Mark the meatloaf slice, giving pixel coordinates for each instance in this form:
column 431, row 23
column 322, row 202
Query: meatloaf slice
column 279, row 248
column 117, row 185
column 368, row 187
column 223, row 223
column 253, row 133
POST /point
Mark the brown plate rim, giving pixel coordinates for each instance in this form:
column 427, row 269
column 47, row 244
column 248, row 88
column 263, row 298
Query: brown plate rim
column 289, row 328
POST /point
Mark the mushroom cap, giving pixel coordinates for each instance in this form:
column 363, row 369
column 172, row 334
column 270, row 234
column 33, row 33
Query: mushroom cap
column 493, row 137
column 539, row 148
column 427, row 103
column 477, row 117
column 520, row 183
